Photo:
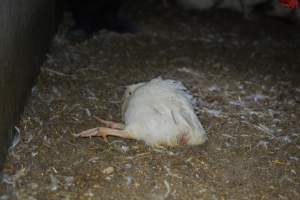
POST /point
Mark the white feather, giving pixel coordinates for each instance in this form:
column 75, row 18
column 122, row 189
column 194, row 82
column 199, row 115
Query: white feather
column 160, row 112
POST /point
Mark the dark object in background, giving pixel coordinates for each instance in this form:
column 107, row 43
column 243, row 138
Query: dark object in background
column 93, row 15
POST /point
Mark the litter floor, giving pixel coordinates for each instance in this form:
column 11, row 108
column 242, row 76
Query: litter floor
column 244, row 75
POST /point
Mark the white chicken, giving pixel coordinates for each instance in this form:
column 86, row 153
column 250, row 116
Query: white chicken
column 159, row 112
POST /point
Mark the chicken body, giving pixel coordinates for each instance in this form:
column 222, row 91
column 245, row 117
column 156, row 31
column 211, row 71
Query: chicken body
column 160, row 113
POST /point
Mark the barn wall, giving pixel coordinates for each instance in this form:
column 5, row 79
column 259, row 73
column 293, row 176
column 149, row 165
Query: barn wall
column 25, row 34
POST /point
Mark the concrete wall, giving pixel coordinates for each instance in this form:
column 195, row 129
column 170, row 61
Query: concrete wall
column 26, row 29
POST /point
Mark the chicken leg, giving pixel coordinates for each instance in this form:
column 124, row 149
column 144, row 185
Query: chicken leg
column 110, row 124
column 104, row 132
column 111, row 129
